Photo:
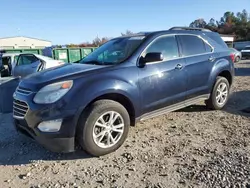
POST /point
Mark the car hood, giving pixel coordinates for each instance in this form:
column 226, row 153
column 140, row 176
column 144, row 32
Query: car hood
column 61, row 72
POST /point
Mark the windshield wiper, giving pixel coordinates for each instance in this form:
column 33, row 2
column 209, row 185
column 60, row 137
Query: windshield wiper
column 92, row 62
column 95, row 62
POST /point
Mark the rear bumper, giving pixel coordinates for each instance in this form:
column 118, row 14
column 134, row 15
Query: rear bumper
column 50, row 142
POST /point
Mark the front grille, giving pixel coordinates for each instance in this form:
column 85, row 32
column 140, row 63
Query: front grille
column 20, row 108
column 23, row 91
column 245, row 53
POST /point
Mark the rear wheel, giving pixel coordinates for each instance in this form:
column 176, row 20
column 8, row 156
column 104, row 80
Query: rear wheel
column 103, row 127
column 219, row 95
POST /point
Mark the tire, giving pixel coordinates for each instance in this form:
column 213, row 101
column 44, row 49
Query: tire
column 87, row 127
column 212, row 102
column 237, row 59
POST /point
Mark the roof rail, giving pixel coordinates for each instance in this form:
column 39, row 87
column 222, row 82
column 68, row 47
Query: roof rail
column 190, row 28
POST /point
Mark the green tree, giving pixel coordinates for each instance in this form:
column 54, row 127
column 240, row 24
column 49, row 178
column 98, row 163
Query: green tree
column 230, row 23
column 199, row 23
column 72, row 45
column 128, row 32
column 99, row 41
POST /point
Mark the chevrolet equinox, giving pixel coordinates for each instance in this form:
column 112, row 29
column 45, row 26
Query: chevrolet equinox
column 126, row 80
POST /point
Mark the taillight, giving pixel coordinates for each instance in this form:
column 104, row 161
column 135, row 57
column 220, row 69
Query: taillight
column 232, row 57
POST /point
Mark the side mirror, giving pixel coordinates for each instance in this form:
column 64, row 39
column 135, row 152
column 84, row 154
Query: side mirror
column 153, row 57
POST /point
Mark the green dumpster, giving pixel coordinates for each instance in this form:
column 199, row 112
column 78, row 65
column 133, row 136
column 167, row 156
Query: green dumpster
column 74, row 54
column 71, row 54
column 33, row 51
column 61, row 54
column 86, row 51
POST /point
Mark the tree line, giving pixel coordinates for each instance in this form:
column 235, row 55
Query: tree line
column 237, row 24
column 95, row 43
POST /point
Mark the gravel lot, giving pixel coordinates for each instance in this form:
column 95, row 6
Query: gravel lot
column 192, row 147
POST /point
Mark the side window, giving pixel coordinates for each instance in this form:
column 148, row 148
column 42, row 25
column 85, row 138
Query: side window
column 192, row 45
column 26, row 59
column 166, row 45
column 6, row 61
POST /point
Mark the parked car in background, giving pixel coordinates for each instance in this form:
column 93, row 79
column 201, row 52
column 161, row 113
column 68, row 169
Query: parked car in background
column 237, row 54
column 246, row 52
column 27, row 64
column 127, row 79
column 8, row 63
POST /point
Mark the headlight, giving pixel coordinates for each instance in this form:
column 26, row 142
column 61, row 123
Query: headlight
column 53, row 92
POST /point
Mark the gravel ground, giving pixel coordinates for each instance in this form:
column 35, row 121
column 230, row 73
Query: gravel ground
column 192, row 147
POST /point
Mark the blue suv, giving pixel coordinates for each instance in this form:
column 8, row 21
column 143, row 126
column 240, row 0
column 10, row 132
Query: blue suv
column 126, row 80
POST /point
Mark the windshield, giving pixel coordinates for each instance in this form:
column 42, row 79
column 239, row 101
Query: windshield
column 114, row 51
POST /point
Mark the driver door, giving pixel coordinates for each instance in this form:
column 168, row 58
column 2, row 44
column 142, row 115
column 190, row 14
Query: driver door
column 163, row 83
column 26, row 65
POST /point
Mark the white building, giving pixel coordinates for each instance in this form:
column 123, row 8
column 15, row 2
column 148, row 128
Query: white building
column 23, row 43
column 229, row 39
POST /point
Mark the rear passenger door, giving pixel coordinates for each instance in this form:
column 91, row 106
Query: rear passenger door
column 199, row 58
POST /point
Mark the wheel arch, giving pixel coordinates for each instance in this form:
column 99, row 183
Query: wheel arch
column 226, row 74
column 118, row 97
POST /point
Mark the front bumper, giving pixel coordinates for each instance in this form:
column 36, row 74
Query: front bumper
column 54, row 144
column 61, row 141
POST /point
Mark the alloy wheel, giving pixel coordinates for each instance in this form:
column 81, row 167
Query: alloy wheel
column 108, row 129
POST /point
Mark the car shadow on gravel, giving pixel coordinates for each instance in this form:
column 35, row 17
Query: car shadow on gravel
column 194, row 108
column 242, row 71
column 29, row 151
column 17, row 149
column 238, row 104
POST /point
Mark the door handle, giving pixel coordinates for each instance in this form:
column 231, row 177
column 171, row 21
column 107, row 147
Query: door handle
column 211, row 59
column 178, row 66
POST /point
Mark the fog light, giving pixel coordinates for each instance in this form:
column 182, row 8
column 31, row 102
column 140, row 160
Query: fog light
column 50, row 126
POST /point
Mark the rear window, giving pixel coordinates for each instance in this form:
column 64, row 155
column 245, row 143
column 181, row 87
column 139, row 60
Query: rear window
column 193, row 45
column 216, row 37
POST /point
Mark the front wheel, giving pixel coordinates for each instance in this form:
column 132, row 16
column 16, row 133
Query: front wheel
column 219, row 95
column 103, row 127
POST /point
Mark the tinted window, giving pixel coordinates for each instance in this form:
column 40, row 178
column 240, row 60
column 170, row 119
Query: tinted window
column 247, row 48
column 208, row 48
column 166, row 45
column 27, row 59
column 192, row 45
column 216, row 37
